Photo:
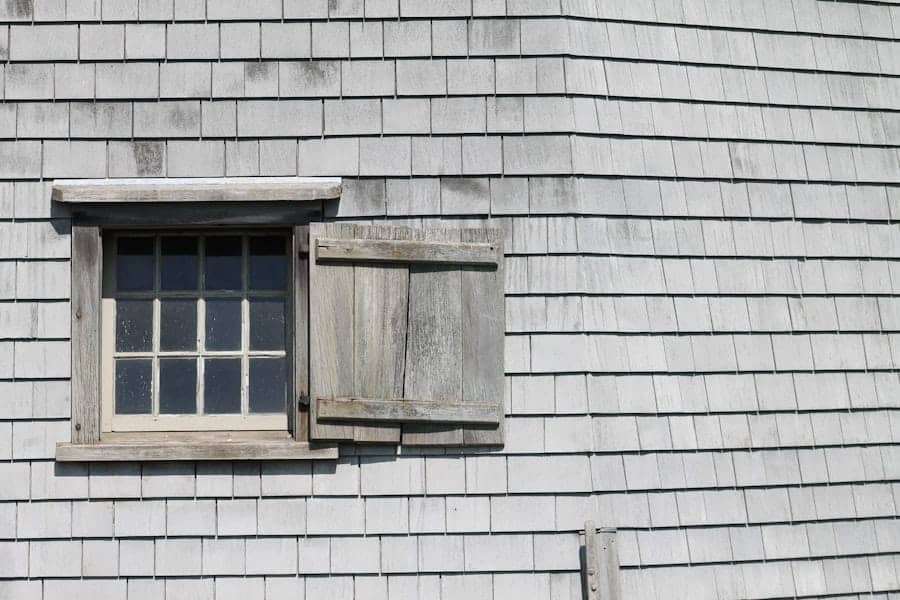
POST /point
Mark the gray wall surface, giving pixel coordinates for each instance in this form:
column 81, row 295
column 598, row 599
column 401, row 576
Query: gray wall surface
column 703, row 290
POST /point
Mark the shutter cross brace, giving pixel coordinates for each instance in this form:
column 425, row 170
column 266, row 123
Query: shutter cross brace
column 407, row 251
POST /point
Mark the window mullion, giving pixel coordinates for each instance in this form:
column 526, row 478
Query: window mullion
column 201, row 325
column 156, row 326
column 245, row 325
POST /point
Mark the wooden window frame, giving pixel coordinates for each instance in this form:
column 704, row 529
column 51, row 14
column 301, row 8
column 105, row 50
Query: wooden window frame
column 181, row 204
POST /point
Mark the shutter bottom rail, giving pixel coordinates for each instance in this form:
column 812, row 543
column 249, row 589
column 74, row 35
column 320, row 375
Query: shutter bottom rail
column 405, row 411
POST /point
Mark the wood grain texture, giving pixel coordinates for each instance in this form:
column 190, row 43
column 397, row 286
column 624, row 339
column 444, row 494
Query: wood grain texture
column 331, row 332
column 405, row 251
column 298, row 396
column 483, row 328
column 434, row 343
column 430, row 333
column 86, row 282
column 405, row 411
column 168, row 451
column 590, row 580
column 225, row 189
column 607, row 565
column 379, row 331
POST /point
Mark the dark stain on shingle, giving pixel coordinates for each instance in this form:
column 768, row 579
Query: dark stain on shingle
column 20, row 9
column 183, row 118
column 148, row 158
column 477, row 188
column 317, row 72
column 258, row 71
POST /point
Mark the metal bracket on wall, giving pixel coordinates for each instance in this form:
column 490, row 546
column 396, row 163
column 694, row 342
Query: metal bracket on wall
column 600, row 564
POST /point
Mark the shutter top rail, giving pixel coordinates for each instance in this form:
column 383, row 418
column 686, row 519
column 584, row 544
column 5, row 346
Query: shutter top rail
column 196, row 189
column 407, row 251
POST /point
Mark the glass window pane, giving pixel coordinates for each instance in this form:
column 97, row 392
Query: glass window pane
column 177, row 386
column 223, row 324
column 268, row 262
column 268, row 385
column 222, row 385
column 177, row 325
column 134, row 325
column 223, row 262
column 135, row 263
column 178, row 263
column 134, row 379
column 267, row 324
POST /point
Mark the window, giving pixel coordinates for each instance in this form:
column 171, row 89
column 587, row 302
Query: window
column 217, row 320
column 189, row 324
column 195, row 331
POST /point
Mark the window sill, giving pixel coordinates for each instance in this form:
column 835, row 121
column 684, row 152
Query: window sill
column 202, row 450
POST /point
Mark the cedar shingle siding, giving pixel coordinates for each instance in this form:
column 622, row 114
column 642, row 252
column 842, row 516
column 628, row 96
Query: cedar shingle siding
column 703, row 290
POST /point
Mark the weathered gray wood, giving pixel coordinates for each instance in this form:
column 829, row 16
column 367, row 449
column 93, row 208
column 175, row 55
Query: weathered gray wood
column 298, row 396
column 590, row 577
column 609, row 565
column 449, row 328
column 405, row 411
column 379, row 331
column 212, row 214
column 434, row 343
column 235, row 450
column 86, row 282
column 601, row 563
column 406, row 251
column 331, row 332
column 225, row 189
column 483, row 328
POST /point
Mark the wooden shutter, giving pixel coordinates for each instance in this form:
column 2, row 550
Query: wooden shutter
column 406, row 335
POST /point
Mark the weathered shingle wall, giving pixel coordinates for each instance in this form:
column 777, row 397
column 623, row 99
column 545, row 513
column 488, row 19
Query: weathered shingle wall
column 703, row 305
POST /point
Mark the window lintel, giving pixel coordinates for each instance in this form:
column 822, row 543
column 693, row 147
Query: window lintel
column 193, row 189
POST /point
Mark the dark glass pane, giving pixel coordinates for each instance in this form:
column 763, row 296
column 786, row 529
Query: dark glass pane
column 135, row 264
column 177, row 325
column 134, row 386
column 178, row 263
column 268, row 385
column 267, row 324
column 223, row 324
column 268, row 263
column 223, row 262
column 134, row 325
column 222, row 385
column 177, row 386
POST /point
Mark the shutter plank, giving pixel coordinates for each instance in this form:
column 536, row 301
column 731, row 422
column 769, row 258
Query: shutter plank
column 379, row 332
column 331, row 327
column 434, row 343
column 483, row 325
